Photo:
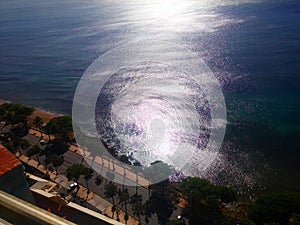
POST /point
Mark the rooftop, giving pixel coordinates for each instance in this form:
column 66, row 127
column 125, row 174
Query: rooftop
column 8, row 160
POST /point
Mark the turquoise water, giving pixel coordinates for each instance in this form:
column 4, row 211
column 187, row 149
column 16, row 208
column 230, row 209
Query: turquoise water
column 252, row 48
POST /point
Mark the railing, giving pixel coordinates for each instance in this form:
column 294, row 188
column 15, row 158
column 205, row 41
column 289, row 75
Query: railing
column 16, row 211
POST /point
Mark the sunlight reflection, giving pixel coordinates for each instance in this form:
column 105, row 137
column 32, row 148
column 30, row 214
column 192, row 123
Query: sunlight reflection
column 167, row 8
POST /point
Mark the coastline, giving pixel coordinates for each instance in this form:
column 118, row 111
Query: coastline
column 45, row 115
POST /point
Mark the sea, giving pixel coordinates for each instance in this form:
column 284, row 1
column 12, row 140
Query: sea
column 252, row 47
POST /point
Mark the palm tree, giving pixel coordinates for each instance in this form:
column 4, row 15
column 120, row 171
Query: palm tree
column 126, row 217
column 110, row 192
column 38, row 122
column 88, row 175
column 46, row 130
column 57, row 161
column 124, row 198
column 24, row 144
column 138, row 209
column 35, row 150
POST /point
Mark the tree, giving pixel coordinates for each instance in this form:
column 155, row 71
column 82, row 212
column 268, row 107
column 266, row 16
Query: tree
column 126, row 217
column 98, row 180
column 57, row 161
column 88, row 173
column 46, row 130
column 24, row 144
column 61, row 127
column 34, row 150
column 10, row 147
column 110, row 192
column 75, row 171
column 15, row 113
column 196, row 189
column 57, row 147
column 138, row 209
column 161, row 205
column 274, row 208
column 4, row 111
column 38, row 123
column 124, row 198
column 203, row 200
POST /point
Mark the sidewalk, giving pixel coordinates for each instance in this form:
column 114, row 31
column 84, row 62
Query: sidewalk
column 95, row 200
column 102, row 161
column 121, row 170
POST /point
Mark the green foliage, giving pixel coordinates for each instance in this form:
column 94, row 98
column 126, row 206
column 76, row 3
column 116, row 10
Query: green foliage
column 204, row 199
column 10, row 147
column 57, row 161
column 57, row 147
column 138, row 209
column 15, row 113
column 88, row 173
column 274, row 208
column 75, row 171
column 111, row 190
column 12, row 142
column 61, row 127
column 20, row 130
column 34, row 150
column 196, row 189
column 224, row 193
column 38, row 122
column 124, row 197
column 24, row 143
column 160, row 205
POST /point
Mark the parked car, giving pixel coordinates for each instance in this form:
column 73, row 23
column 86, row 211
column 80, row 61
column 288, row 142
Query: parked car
column 43, row 142
column 72, row 186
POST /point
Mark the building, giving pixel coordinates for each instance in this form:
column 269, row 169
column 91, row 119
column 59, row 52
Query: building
column 12, row 178
column 16, row 200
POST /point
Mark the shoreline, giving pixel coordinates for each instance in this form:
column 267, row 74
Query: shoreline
column 45, row 115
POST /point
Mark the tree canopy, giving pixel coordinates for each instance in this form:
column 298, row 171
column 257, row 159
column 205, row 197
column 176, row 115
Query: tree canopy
column 275, row 208
column 75, row 171
column 61, row 127
column 204, row 199
column 15, row 113
column 196, row 189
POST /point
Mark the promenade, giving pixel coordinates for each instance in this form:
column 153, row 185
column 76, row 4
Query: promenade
column 92, row 193
column 97, row 202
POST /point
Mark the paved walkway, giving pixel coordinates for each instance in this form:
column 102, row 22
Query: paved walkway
column 101, row 161
column 95, row 200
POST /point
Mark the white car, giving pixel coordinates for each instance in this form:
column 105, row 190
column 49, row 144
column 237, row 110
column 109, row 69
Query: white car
column 43, row 142
column 72, row 186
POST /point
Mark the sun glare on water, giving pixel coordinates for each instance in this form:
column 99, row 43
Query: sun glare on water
column 168, row 8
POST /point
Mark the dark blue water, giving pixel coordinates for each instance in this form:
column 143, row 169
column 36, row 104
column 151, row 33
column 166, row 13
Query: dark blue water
column 252, row 48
